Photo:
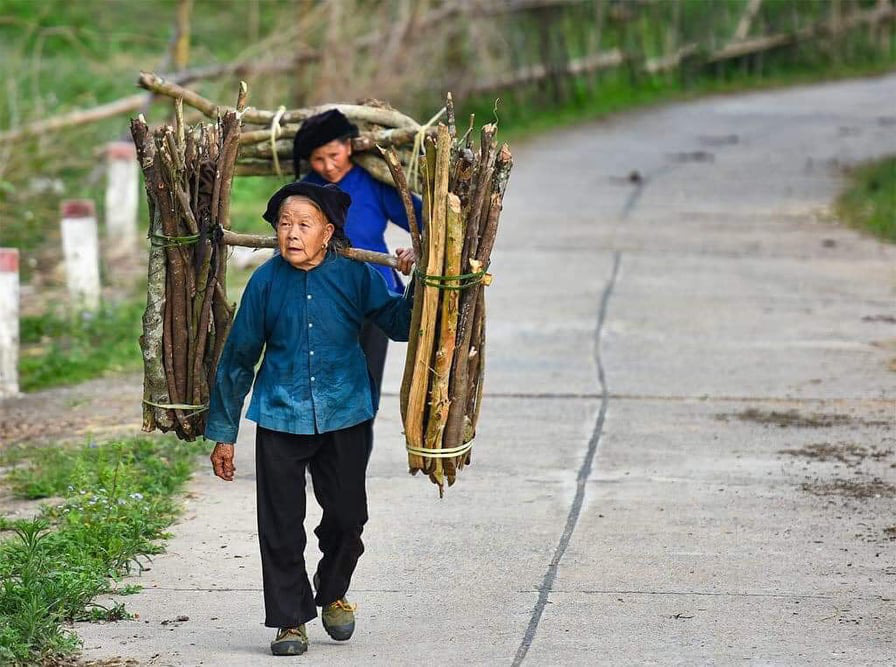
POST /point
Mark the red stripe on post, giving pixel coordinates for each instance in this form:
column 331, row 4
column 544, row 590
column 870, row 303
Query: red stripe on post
column 78, row 208
column 9, row 260
column 121, row 150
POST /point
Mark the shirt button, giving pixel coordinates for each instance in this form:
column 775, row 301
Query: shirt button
column 312, row 378
column 309, row 296
column 311, row 353
column 310, row 325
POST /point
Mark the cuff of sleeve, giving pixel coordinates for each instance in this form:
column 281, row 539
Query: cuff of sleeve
column 220, row 433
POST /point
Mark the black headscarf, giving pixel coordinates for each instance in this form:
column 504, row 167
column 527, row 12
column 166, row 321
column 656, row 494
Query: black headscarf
column 318, row 130
column 332, row 201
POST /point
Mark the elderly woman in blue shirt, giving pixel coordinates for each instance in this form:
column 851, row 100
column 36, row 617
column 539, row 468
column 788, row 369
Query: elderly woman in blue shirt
column 324, row 142
column 313, row 401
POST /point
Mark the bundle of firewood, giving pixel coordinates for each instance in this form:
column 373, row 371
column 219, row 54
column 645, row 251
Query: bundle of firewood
column 267, row 138
column 441, row 393
column 188, row 174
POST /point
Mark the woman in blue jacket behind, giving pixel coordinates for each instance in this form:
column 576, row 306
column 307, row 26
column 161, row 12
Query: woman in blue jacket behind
column 324, row 142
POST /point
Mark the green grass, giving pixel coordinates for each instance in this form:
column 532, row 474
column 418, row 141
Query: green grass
column 869, row 202
column 59, row 349
column 117, row 500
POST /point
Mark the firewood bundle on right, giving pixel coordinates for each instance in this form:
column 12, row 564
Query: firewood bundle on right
column 441, row 393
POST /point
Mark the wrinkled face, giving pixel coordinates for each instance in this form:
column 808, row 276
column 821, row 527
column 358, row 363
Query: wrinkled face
column 332, row 161
column 302, row 233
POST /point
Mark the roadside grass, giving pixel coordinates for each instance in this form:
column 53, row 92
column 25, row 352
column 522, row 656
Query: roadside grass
column 59, row 348
column 869, row 201
column 116, row 501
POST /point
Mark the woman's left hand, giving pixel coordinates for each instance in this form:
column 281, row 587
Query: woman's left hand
column 406, row 259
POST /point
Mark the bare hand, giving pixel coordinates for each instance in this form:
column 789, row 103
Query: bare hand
column 406, row 259
column 222, row 461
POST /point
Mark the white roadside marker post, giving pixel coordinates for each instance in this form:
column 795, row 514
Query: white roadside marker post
column 80, row 248
column 122, row 198
column 9, row 322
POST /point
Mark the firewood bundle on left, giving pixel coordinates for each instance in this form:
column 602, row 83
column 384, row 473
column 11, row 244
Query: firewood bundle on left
column 188, row 174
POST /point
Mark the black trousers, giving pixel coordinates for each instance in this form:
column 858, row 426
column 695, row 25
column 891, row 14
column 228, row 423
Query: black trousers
column 338, row 464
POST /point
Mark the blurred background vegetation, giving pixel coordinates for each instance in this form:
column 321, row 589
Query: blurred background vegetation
column 549, row 61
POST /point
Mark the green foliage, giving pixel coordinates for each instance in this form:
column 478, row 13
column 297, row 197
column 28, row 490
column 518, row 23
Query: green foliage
column 117, row 504
column 869, row 202
column 60, row 349
column 57, row 56
column 249, row 198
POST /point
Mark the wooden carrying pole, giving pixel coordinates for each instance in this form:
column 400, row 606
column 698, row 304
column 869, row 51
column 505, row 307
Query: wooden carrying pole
column 258, row 241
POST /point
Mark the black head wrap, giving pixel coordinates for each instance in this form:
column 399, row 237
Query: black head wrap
column 318, row 130
column 332, row 201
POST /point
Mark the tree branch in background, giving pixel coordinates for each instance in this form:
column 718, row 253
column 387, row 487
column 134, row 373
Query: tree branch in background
column 746, row 20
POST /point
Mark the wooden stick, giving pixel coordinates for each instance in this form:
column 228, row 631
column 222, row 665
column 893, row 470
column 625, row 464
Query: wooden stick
column 480, row 188
column 415, row 462
column 477, row 371
column 230, row 127
column 371, row 163
column 258, row 241
column 260, row 140
column 401, row 185
column 419, row 394
column 449, row 116
column 444, row 355
column 155, row 385
column 359, row 112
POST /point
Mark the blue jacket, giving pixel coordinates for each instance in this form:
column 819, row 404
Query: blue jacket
column 374, row 204
column 313, row 378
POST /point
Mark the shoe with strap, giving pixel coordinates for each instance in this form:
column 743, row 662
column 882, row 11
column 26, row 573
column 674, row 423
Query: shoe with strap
column 339, row 619
column 290, row 641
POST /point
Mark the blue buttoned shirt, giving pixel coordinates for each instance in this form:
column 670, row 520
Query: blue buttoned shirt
column 313, row 377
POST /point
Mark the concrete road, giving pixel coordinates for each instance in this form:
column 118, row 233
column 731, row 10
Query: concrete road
column 687, row 451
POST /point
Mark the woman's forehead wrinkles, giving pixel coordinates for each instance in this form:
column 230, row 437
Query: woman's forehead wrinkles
column 298, row 216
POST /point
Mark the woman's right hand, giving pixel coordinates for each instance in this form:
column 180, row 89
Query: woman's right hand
column 222, row 461
column 406, row 259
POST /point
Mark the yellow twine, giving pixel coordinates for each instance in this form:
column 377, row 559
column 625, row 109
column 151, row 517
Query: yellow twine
column 178, row 406
column 418, row 143
column 440, row 453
